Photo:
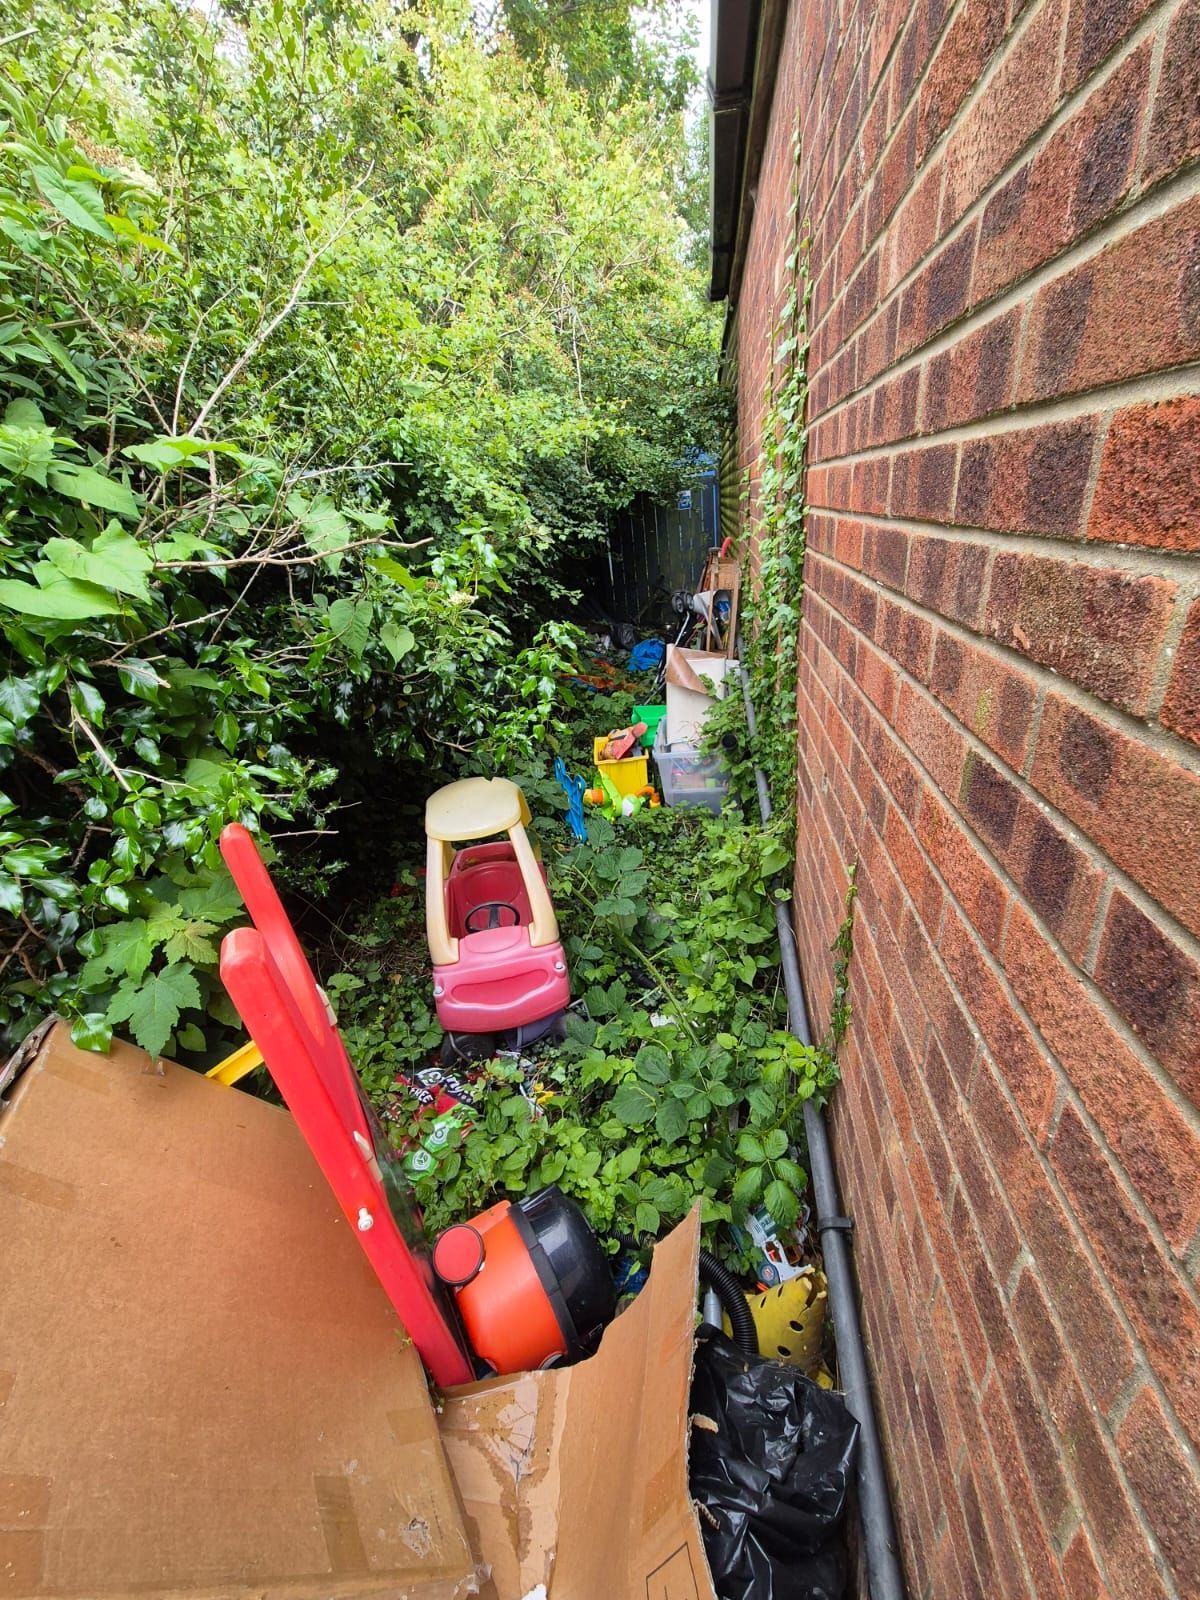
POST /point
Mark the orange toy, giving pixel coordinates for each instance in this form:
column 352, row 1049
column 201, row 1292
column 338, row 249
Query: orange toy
column 621, row 741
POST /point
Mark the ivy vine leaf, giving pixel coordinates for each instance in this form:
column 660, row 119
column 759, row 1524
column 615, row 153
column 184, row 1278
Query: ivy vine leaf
column 88, row 701
column 76, row 199
column 152, row 1008
column 19, row 699
column 774, row 858
column 94, row 489
column 115, row 561
column 92, row 1031
column 632, row 1104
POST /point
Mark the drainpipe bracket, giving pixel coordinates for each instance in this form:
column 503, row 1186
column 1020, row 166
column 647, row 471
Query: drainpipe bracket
column 835, row 1225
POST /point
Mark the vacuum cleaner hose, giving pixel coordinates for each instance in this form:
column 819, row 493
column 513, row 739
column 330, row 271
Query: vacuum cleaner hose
column 729, row 1290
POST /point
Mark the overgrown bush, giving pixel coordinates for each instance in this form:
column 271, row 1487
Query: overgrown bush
column 324, row 337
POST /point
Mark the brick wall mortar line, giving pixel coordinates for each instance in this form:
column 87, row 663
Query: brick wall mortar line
column 822, row 154
column 1166, row 1083
column 1170, row 383
column 1093, row 944
column 868, row 33
column 1166, row 655
column 1093, row 478
column 1126, row 1395
column 1155, row 77
column 953, row 1190
column 1061, row 1099
column 1135, row 561
column 1024, row 1259
column 1035, row 728
column 1160, row 202
column 1079, row 1234
column 812, row 104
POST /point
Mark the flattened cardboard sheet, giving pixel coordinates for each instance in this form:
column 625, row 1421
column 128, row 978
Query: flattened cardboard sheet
column 578, row 1479
column 688, row 701
column 203, row 1389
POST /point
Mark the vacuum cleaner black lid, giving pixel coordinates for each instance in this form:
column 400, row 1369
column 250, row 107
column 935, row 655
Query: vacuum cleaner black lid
column 570, row 1265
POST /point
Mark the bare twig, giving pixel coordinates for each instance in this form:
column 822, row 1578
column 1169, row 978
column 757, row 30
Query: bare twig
column 79, row 722
column 191, row 350
column 265, row 560
column 285, row 311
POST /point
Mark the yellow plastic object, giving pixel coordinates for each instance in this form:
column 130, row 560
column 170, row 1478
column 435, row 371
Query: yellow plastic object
column 790, row 1320
column 475, row 808
column 238, row 1065
column 626, row 776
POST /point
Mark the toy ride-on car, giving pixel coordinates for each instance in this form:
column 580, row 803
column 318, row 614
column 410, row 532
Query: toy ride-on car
column 499, row 972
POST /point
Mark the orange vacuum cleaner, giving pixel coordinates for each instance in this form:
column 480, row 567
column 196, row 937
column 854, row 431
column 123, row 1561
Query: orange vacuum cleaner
column 531, row 1282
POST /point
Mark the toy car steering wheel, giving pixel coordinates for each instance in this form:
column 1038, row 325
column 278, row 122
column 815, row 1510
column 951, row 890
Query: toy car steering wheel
column 493, row 909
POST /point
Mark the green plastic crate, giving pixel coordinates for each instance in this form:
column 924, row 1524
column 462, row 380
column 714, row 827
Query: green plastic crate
column 651, row 716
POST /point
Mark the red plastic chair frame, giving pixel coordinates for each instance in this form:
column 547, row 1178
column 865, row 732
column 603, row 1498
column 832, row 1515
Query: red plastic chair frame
column 289, row 1019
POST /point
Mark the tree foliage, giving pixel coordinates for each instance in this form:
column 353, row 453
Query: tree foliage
column 326, row 333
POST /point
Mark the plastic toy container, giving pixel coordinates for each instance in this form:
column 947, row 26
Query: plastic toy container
column 651, row 716
column 627, row 776
column 688, row 777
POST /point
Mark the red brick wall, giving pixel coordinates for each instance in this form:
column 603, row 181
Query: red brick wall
column 1000, row 718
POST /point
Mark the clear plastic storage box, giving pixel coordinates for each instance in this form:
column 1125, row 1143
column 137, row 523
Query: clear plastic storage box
column 688, row 777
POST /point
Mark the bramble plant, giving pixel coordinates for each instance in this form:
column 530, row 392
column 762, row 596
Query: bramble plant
column 681, row 1081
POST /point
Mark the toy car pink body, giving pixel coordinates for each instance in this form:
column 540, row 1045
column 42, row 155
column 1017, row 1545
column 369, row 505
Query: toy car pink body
column 498, row 962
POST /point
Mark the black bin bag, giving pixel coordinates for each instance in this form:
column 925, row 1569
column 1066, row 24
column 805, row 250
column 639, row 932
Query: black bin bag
column 772, row 1479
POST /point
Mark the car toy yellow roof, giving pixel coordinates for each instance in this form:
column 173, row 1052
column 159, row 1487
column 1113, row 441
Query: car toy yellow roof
column 474, row 808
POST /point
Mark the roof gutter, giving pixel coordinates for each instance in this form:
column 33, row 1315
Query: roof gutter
column 746, row 39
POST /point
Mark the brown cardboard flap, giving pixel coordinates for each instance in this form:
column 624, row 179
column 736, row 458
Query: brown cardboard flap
column 685, row 668
column 203, row 1390
column 578, row 1479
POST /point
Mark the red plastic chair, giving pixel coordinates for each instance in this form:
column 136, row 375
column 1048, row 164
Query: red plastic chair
column 291, row 1022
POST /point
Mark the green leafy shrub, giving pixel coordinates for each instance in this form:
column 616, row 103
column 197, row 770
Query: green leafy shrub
column 322, row 339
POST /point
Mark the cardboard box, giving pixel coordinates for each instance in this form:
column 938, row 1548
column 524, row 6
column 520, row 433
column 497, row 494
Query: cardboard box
column 688, row 701
column 205, row 1393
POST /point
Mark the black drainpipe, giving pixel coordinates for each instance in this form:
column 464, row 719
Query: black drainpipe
column 884, row 1577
